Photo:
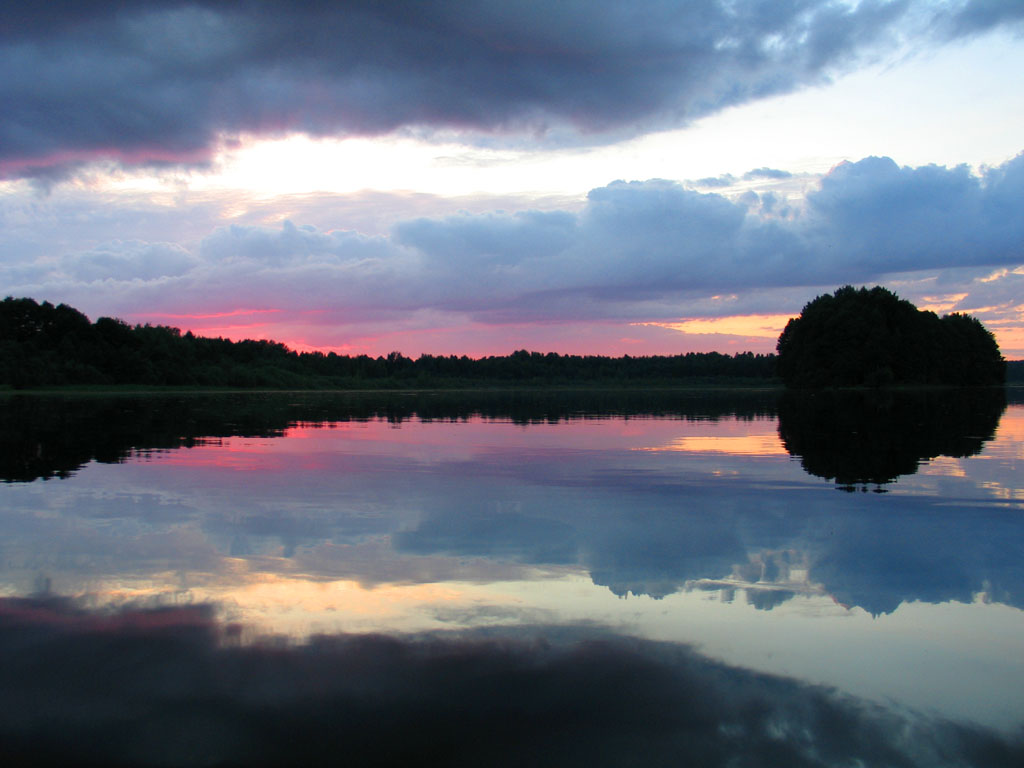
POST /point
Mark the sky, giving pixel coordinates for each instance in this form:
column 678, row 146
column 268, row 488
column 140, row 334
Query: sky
column 477, row 177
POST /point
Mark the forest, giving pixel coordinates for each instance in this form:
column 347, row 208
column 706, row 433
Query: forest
column 42, row 345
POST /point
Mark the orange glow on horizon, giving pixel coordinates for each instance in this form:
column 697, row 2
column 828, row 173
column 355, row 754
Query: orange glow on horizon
column 756, row 326
column 1010, row 340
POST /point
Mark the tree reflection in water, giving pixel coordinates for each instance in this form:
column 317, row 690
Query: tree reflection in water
column 54, row 436
column 862, row 439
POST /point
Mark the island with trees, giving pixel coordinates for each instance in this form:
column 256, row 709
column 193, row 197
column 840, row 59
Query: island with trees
column 861, row 337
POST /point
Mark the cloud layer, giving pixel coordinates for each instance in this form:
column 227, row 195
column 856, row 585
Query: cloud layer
column 167, row 81
column 650, row 251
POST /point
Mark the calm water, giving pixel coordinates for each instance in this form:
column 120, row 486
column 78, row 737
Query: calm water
column 873, row 546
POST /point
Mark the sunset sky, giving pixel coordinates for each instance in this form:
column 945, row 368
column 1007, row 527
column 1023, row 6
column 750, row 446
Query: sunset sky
column 473, row 177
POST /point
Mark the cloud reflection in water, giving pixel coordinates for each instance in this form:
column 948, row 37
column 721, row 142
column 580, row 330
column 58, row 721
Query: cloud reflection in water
column 174, row 686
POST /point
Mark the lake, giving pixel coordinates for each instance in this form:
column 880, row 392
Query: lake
column 592, row 578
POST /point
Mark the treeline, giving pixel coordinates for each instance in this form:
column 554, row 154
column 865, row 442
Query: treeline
column 42, row 345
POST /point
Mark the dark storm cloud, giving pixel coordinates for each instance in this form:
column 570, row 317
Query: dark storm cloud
column 163, row 82
column 160, row 687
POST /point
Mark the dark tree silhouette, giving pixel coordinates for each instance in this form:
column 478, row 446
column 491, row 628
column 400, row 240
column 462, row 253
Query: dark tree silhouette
column 868, row 438
column 870, row 337
column 42, row 345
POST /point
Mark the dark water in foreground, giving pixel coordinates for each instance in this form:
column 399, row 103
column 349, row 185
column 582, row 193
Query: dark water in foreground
column 557, row 579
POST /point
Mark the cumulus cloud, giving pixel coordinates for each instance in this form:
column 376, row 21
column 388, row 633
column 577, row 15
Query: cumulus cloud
column 885, row 218
column 641, row 240
column 165, row 81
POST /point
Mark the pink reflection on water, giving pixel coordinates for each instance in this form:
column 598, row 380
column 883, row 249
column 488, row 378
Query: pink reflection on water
column 318, row 446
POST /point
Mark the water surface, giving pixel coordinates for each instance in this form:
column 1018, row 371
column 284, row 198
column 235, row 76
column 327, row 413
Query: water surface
column 870, row 545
